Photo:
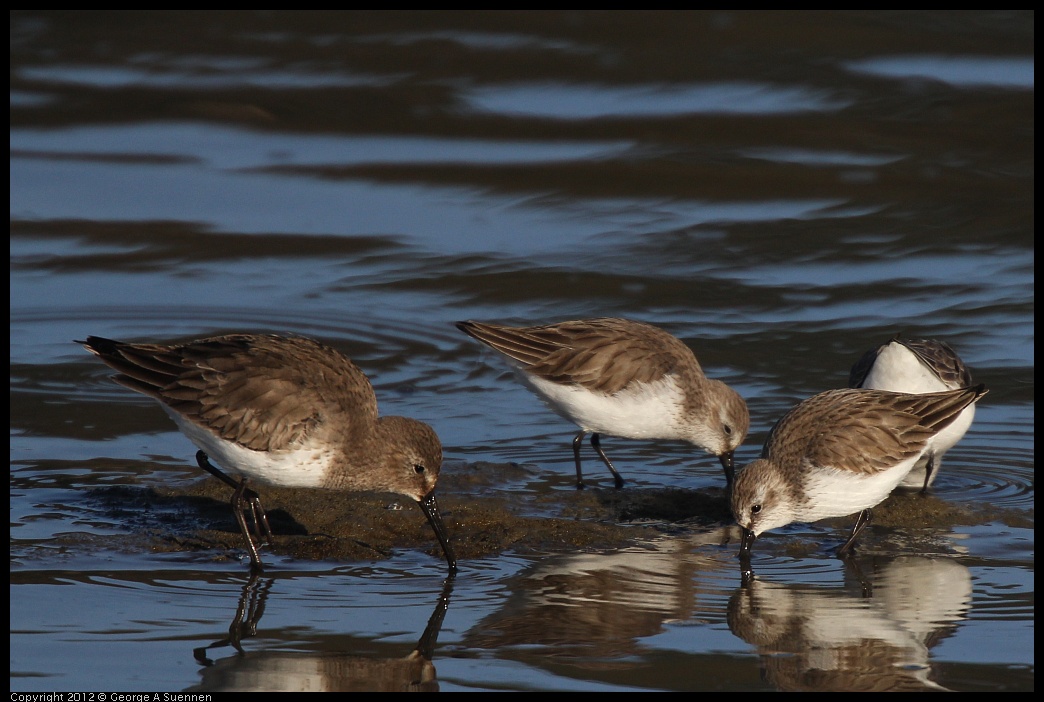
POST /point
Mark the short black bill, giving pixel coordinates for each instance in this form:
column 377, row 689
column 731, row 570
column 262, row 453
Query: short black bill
column 729, row 464
column 748, row 541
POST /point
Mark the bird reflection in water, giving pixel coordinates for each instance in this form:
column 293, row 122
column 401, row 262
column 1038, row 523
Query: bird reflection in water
column 248, row 614
column 821, row 639
column 600, row 606
column 320, row 671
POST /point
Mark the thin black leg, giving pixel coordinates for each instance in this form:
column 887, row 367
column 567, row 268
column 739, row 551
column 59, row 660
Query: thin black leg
column 239, row 509
column 596, row 443
column 262, row 529
column 861, row 521
column 928, row 470
column 578, row 441
column 203, row 460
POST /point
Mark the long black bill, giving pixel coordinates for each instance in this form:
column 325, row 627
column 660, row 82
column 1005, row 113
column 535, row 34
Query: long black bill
column 728, row 463
column 745, row 545
column 431, row 511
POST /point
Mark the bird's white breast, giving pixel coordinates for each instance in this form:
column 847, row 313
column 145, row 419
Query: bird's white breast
column 898, row 369
column 832, row 492
column 305, row 466
column 639, row 411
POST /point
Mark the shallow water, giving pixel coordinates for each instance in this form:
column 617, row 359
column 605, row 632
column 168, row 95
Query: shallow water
column 782, row 191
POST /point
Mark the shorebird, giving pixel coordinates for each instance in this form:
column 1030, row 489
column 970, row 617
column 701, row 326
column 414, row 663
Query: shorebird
column 918, row 366
column 839, row 452
column 622, row 378
column 282, row 411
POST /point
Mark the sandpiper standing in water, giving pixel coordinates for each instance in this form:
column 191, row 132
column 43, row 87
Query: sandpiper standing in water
column 282, row 411
column 840, row 452
column 622, row 378
column 918, row 366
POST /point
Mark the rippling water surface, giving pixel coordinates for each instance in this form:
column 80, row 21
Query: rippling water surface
column 781, row 191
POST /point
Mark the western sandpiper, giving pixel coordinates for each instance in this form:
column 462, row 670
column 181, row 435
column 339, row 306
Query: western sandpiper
column 918, row 366
column 282, row 411
column 622, row 378
column 839, row 452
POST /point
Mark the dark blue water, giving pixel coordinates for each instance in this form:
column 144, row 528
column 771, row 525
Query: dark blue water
column 782, row 191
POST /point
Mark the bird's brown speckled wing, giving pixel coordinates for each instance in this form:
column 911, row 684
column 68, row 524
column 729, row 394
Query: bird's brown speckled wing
column 263, row 392
column 604, row 354
column 863, row 431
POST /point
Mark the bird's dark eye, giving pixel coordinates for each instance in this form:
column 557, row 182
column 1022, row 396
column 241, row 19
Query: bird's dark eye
column 728, row 430
column 418, row 469
column 755, row 509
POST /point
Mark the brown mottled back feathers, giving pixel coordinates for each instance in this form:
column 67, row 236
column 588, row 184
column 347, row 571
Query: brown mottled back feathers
column 264, row 392
column 830, row 429
column 603, row 355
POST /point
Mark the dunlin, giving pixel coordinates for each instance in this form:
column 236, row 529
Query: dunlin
column 622, row 378
column 282, row 411
column 918, row 366
column 839, row 452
